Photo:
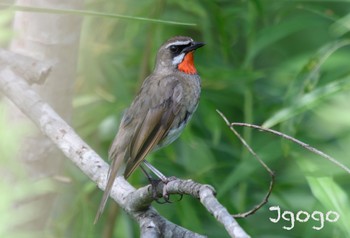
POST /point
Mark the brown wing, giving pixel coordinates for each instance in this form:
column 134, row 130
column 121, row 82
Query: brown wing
column 152, row 130
column 149, row 126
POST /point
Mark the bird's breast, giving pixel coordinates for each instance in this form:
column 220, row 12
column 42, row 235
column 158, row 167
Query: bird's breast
column 189, row 102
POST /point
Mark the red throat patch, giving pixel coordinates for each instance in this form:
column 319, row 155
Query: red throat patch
column 187, row 64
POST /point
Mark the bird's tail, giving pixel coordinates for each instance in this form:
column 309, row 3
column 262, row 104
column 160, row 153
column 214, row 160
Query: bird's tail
column 116, row 169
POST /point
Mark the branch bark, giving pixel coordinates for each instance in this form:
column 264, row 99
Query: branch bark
column 21, row 63
column 135, row 202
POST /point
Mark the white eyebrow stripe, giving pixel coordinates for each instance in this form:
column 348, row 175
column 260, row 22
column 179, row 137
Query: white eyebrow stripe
column 178, row 43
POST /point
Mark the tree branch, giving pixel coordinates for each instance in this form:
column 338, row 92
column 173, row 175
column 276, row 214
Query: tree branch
column 135, row 202
column 21, row 64
column 255, row 155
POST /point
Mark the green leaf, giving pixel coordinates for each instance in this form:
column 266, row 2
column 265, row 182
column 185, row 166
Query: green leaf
column 308, row 101
column 270, row 35
column 329, row 194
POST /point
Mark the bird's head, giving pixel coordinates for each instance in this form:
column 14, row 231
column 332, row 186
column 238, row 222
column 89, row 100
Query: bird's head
column 177, row 54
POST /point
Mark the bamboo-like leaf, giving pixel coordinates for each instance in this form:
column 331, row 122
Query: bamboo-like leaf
column 308, row 101
column 91, row 13
column 330, row 195
column 269, row 36
column 308, row 77
column 342, row 26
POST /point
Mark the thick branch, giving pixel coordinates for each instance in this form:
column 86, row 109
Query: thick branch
column 21, row 64
column 205, row 193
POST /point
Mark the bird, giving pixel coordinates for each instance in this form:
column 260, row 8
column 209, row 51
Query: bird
column 163, row 106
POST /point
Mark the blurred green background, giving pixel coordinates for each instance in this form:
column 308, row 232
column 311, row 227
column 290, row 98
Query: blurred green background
column 281, row 64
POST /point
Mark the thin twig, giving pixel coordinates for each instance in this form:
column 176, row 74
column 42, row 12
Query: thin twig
column 272, row 175
column 287, row 137
column 298, row 142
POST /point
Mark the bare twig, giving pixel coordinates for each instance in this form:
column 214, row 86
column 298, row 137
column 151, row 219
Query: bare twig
column 272, row 175
column 298, row 142
column 287, row 137
column 245, row 144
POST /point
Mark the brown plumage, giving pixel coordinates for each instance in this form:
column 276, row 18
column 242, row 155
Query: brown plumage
column 159, row 112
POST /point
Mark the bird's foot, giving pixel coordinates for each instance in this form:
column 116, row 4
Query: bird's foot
column 165, row 197
column 154, row 185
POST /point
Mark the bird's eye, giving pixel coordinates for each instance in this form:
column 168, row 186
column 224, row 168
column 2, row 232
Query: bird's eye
column 174, row 49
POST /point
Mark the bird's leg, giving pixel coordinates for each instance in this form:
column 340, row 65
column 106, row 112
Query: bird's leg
column 149, row 177
column 154, row 183
column 162, row 178
column 156, row 172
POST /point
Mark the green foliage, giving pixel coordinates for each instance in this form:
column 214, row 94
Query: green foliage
column 283, row 64
column 278, row 63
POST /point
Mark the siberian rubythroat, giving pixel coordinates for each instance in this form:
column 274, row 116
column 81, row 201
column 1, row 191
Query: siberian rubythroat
column 160, row 111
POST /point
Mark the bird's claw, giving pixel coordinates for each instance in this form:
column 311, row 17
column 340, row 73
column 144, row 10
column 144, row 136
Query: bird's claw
column 165, row 195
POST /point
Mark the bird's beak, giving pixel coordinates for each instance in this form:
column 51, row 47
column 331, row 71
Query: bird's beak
column 192, row 47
